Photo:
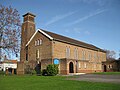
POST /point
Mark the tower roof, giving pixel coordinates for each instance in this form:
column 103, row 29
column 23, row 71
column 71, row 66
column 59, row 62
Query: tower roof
column 29, row 14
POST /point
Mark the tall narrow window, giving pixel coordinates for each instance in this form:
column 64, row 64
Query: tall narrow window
column 82, row 55
column 95, row 55
column 27, row 53
column 89, row 55
column 67, row 52
column 85, row 65
column 99, row 56
column 94, row 65
column 37, row 53
column 79, row 65
column 38, row 42
column 75, row 53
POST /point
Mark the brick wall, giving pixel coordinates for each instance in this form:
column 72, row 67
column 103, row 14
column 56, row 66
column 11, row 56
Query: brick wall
column 93, row 64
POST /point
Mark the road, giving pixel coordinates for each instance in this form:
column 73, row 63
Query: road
column 98, row 78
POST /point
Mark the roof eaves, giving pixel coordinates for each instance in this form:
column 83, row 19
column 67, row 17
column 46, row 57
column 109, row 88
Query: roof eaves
column 36, row 33
column 31, row 38
column 47, row 35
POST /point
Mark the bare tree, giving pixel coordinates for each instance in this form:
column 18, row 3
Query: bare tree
column 110, row 54
column 10, row 30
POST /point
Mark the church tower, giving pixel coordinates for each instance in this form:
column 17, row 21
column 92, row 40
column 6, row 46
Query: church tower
column 28, row 29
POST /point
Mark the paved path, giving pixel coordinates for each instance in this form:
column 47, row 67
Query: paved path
column 98, row 78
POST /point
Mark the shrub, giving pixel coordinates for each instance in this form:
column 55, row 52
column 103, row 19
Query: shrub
column 2, row 73
column 27, row 69
column 44, row 72
column 33, row 72
column 52, row 70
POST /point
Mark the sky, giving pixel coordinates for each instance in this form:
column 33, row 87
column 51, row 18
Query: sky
column 96, row 22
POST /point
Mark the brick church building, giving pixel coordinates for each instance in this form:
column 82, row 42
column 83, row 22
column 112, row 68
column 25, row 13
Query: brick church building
column 44, row 47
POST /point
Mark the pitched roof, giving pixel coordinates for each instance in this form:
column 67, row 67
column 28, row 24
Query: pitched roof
column 57, row 37
column 72, row 41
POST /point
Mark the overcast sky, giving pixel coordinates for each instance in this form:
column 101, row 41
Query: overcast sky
column 95, row 22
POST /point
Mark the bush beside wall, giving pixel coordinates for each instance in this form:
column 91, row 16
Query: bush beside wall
column 51, row 70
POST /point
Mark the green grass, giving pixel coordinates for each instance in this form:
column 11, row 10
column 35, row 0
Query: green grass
column 51, row 83
column 108, row 73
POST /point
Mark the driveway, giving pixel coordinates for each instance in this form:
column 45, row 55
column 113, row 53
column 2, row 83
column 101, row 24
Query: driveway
column 98, row 78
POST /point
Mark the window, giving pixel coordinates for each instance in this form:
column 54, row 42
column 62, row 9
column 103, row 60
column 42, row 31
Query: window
column 111, row 66
column 79, row 65
column 88, row 55
column 27, row 53
column 94, row 66
column 95, row 56
column 36, row 43
column 76, row 53
column 85, row 66
column 98, row 56
column 103, row 57
column 37, row 53
column 82, row 55
column 67, row 52
column 40, row 42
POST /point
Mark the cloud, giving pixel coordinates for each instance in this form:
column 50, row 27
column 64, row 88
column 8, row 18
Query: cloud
column 97, row 2
column 67, row 31
column 76, row 30
column 59, row 17
column 97, row 12
column 87, row 32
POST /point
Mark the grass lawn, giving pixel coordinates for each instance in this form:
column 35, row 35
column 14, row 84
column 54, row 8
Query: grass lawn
column 51, row 83
column 108, row 73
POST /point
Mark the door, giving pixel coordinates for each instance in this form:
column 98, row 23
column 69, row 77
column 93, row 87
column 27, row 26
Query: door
column 71, row 67
column 105, row 68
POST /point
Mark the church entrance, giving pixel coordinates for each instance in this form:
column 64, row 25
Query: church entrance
column 38, row 68
column 105, row 68
column 71, row 68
